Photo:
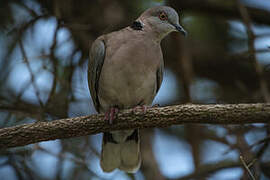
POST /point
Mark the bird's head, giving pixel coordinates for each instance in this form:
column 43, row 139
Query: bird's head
column 162, row 20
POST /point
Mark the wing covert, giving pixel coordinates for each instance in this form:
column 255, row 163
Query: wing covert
column 96, row 60
column 160, row 76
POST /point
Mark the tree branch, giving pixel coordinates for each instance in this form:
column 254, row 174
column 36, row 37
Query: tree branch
column 206, row 169
column 155, row 117
column 220, row 9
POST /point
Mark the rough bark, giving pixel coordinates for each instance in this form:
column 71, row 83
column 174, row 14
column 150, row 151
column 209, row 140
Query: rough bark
column 155, row 117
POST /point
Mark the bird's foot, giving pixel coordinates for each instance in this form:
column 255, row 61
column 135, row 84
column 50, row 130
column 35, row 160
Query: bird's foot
column 111, row 114
column 141, row 109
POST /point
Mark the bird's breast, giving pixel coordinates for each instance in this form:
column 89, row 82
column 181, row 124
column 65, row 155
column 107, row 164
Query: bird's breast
column 128, row 76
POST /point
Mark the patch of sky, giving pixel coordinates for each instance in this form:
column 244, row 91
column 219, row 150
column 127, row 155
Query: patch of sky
column 80, row 83
column 225, row 174
column 213, row 152
column 67, row 168
column 203, row 90
column 65, row 46
column 7, row 172
column 19, row 14
column 266, row 155
column 34, row 6
column 83, row 104
column 261, row 4
column 37, row 42
column 219, row 130
column 254, row 136
column 20, row 77
column 168, row 91
column 42, row 35
column 262, row 43
column 173, row 156
column 239, row 44
column 45, row 163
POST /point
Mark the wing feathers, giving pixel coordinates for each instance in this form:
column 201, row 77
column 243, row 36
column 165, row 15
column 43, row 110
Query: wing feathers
column 97, row 57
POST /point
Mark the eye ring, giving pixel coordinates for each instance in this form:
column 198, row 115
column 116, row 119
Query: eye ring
column 163, row 16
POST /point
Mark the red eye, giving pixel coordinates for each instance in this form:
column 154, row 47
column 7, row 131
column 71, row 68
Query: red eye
column 163, row 16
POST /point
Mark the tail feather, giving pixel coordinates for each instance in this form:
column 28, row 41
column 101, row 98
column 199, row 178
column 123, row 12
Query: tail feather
column 124, row 155
column 110, row 154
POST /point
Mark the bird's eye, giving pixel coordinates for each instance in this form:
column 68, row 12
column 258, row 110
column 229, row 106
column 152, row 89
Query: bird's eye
column 163, row 16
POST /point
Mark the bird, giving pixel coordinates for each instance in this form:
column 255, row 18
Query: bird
column 125, row 70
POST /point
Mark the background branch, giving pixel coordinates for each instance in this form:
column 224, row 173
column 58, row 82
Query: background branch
column 155, row 117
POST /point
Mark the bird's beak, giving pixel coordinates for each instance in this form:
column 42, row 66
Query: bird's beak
column 180, row 29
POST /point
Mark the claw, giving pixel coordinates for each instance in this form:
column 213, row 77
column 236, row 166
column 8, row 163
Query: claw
column 111, row 115
column 141, row 107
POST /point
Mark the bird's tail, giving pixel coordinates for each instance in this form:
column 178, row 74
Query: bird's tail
column 121, row 150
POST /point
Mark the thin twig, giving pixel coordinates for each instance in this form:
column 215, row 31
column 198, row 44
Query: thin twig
column 247, row 167
column 31, row 73
column 252, row 50
column 54, row 63
column 61, row 155
column 267, row 139
column 207, row 169
column 252, row 163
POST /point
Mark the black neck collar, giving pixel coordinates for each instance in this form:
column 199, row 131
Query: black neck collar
column 137, row 25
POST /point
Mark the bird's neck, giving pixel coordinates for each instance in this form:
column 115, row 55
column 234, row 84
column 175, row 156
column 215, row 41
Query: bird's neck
column 137, row 25
column 151, row 32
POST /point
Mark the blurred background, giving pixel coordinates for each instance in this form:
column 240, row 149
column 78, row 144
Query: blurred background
column 44, row 48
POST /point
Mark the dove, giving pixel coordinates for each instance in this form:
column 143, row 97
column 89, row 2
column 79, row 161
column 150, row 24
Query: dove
column 125, row 70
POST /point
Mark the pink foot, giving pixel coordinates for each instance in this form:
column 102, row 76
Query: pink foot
column 111, row 115
column 142, row 109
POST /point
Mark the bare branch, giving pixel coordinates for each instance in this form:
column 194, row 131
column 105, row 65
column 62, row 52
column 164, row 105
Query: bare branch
column 207, row 169
column 247, row 167
column 155, row 117
column 32, row 75
column 251, row 45
column 228, row 11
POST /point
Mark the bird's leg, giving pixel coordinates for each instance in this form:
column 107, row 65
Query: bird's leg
column 111, row 114
column 142, row 108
